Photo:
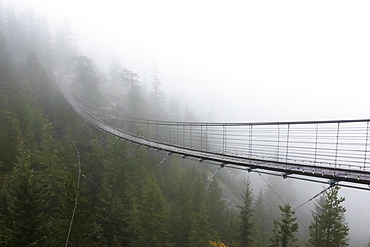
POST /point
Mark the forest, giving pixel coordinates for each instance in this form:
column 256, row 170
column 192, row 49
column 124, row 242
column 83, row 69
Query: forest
column 65, row 183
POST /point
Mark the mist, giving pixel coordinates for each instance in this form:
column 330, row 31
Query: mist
column 238, row 62
column 271, row 61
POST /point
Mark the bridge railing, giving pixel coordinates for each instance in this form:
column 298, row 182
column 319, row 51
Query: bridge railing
column 333, row 144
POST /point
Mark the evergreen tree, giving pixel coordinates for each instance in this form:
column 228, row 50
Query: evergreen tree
column 201, row 230
column 284, row 228
column 182, row 210
column 232, row 224
column 285, row 190
column 260, row 222
column 24, row 204
column 15, row 35
column 114, row 202
column 78, row 221
column 131, row 81
column 157, row 96
column 328, row 227
column 84, row 231
column 113, row 71
column 216, row 207
column 10, row 134
column 86, row 81
column 246, row 217
column 37, row 81
column 148, row 217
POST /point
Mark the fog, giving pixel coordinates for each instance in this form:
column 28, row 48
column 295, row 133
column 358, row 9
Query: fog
column 249, row 61
column 244, row 60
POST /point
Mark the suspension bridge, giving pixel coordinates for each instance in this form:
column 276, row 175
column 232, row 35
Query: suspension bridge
column 331, row 151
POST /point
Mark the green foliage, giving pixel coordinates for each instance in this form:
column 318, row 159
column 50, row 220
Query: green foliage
column 24, row 204
column 10, row 134
column 328, row 227
column 231, row 233
column 201, row 228
column 260, row 222
column 182, row 210
column 246, row 217
column 148, row 217
column 37, row 82
column 217, row 208
column 284, row 228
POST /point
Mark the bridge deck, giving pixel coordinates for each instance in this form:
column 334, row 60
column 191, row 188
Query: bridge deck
column 326, row 149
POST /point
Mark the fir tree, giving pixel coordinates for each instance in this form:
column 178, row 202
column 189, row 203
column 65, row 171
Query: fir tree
column 284, row 228
column 201, row 229
column 231, row 234
column 24, row 204
column 328, row 228
column 216, row 207
column 148, row 217
column 246, row 216
column 259, row 228
column 86, row 81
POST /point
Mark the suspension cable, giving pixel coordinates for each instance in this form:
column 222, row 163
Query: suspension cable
column 77, row 190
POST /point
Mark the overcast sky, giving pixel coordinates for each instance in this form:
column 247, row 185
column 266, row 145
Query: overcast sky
column 249, row 60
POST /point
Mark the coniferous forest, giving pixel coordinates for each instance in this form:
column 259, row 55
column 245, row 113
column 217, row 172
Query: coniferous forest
column 65, row 183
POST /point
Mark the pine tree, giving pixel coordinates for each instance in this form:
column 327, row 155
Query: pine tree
column 135, row 99
column 114, row 203
column 10, row 134
column 328, row 227
column 157, row 96
column 246, row 216
column 201, row 229
column 231, row 235
column 86, row 81
column 259, row 229
column 182, row 210
column 37, row 81
column 24, row 204
column 148, row 217
column 216, row 207
column 83, row 231
column 284, row 228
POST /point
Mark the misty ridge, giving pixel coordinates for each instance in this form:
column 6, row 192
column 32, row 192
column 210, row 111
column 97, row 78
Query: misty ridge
column 52, row 160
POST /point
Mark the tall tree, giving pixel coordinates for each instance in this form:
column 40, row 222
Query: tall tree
column 217, row 208
column 86, row 81
column 284, row 228
column 148, row 217
column 131, row 80
column 201, row 229
column 10, row 136
column 156, row 95
column 37, row 82
column 328, row 227
column 260, row 221
column 182, row 210
column 231, row 234
column 246, row 216
column 115, row 202
column 24, row 202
